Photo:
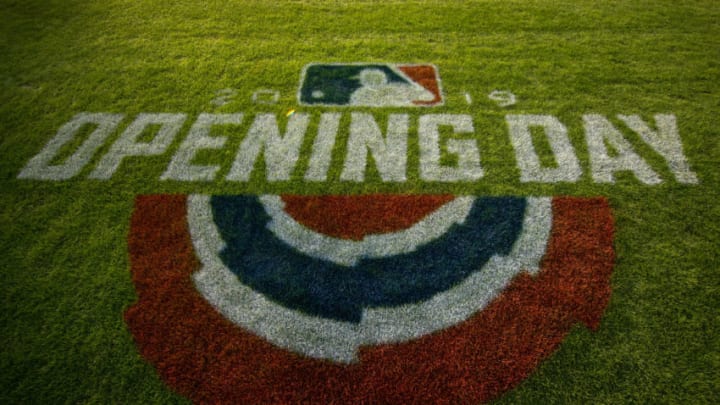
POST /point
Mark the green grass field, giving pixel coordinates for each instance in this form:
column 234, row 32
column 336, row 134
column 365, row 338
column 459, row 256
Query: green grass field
column 65, row 280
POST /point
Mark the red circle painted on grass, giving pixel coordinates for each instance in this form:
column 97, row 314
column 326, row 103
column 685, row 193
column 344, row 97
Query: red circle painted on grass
column 205, row 357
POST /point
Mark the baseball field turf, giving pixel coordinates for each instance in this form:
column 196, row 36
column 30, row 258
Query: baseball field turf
column 306, row 201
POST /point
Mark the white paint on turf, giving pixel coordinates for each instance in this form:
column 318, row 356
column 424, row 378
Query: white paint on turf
column 348, row 252
column 389, row 152
column 599, row 134
column 503, row 98
column 266, row 96
column 128, row 144
column 666, row 142
column 322, row 147
column 609, row 151
column 224, row 96
column 568, row 168
column 281, row 151
column 181, row 167
column 466, row 150
column 40, row 167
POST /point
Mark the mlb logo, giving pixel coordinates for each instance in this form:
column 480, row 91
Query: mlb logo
column 370, row 85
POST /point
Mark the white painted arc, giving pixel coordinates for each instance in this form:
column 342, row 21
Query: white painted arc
column 339, row 341
column 348, row 252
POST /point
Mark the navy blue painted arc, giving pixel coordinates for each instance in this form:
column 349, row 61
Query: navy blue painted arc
column 334, row 84
column 321, row 288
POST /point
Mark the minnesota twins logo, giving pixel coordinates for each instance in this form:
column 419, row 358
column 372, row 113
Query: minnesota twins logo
column 370, row 85
column 348, row 299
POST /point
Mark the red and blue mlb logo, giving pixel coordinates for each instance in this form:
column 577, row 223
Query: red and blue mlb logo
column 370, row 85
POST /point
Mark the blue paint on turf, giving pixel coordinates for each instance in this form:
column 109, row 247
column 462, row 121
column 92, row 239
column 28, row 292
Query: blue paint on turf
column 321, row 288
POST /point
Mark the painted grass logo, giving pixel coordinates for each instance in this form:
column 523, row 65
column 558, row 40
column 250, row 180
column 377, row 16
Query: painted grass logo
column 370, row 85
column 365, row 298
column 362, row 299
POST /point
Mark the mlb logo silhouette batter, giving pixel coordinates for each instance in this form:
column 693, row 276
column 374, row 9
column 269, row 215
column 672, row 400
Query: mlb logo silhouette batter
column 370, row 85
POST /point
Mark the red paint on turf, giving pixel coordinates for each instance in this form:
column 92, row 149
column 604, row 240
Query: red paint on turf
column 206, row 358
column 354, row 217
column 425, row 76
